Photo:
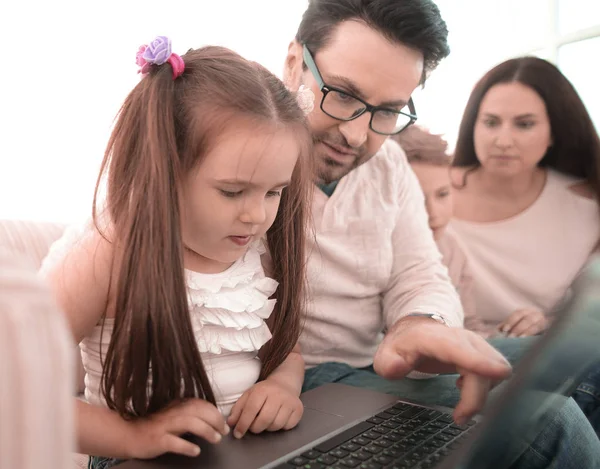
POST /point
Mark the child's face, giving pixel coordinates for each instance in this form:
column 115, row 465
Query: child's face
column 232, row 197
column 435, row 183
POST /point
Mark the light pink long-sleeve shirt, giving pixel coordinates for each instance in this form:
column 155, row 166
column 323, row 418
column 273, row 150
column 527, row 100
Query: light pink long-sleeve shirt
column 374, row 261
column 530, row 260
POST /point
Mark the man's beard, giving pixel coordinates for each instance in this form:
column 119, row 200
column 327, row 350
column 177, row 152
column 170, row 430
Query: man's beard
column 329, row 170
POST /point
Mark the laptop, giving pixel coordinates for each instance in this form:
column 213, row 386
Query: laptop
column 345, row 427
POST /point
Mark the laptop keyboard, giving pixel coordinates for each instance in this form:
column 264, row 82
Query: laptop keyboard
column 401, row 437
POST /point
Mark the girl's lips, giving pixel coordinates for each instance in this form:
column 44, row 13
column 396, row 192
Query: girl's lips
column 240, row 240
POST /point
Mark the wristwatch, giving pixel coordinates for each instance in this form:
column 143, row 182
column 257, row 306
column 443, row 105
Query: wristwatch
column 435, row 316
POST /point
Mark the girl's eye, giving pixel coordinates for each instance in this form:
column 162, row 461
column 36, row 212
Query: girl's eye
column 230, row 194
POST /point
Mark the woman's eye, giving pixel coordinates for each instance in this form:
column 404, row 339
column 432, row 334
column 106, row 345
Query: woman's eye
column 525, row 124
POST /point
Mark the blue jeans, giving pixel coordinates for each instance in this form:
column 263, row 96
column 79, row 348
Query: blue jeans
column 568, row 441
column 440, row 390
column 587, row 396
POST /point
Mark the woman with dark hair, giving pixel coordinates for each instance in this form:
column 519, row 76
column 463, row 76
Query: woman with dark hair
column 526, row 172
column 527, row 178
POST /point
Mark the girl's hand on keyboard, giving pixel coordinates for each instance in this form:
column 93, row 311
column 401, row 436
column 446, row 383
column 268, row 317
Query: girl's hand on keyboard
column 160, row 433
column 268, row 405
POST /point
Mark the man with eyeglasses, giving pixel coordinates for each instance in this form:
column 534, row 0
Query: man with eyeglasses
column 374, row 266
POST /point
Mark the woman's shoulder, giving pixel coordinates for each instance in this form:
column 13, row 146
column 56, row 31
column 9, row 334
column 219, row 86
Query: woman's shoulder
column 577, row 187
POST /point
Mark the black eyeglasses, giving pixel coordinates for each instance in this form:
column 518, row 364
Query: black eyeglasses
column 343, row 106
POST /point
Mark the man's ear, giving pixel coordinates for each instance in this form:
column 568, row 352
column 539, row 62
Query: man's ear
column 292, row 70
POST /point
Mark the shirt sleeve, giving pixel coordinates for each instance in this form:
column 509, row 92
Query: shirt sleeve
column 419, row 282
column 465, row 289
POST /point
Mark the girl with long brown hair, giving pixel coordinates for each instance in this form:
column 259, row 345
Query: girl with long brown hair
column 185, row 293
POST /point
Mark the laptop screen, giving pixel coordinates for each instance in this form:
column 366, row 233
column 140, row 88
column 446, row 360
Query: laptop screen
column 542, row 381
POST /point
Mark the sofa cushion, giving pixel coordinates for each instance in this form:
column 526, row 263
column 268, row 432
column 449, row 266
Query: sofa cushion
column 29, row 239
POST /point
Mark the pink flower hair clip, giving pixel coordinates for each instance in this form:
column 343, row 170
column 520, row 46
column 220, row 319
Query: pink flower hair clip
column 159, row 52
column 306, row 99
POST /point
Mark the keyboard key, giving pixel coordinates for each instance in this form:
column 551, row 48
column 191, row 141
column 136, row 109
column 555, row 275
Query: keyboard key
column 393, row 411
column 381, row 429
column 390, row 424
column 418, row 455
column 373, row 449
column 370, row 465
column 436, row 443
column 341, row 438
column 400, row 420
column 411, row 441
column 443, row 437
column 419, row 435
column 410, row 425
column 371, row 435
column 350, row 447
column 298, row 461
column 382, row 442
column 313, row 465
column 447, row 418
column 361, row 441
column 401, row 406
column 339, row 453
column 452, row 431
column 401, row 432
column 462, row 428
column 382, row 459
column 350, row 462
column 392, row 452
column 412, row 412
column 362, row 455
column 403, row 447
column 384, row 415
column 438, row 424
column 392, row 437
column 312, row 454
column 327, row 459
column 375, row 420
column 430, row 414
column 430, row 429
column 427, row 448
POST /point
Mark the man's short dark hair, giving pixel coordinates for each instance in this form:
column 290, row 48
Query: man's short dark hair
column 417, row 24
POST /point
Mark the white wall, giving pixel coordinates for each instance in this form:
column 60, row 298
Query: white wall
column 67, row 66
column 483, row 33
column 62, row 80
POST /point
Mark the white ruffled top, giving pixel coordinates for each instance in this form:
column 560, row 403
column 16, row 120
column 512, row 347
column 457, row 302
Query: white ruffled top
column 228, row 312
